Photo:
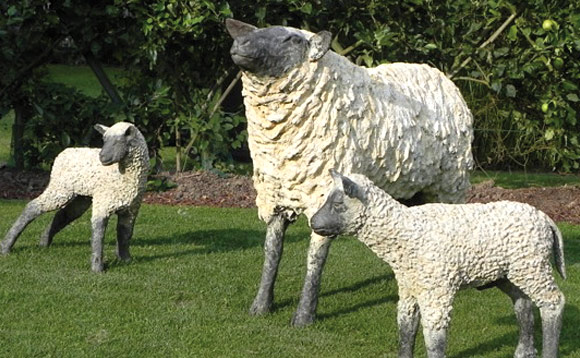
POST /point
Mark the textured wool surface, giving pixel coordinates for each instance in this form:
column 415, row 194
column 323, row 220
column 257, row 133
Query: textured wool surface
column 436, row 249
column 406, row 126
column 78, row 171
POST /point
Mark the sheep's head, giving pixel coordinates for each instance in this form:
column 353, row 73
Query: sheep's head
column 117, row 140
column 273, row 51
column 343, row 211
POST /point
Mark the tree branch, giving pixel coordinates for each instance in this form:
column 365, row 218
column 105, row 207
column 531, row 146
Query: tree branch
column 485, row 43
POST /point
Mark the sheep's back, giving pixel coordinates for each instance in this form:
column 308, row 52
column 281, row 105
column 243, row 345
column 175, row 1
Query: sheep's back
column 404, row 126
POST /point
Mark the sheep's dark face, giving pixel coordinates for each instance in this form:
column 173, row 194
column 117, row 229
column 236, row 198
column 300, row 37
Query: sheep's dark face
column 343, row 210
column 116, row 142
column 273, row 51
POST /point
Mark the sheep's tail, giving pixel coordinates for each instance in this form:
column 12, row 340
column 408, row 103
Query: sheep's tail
column 558, row 247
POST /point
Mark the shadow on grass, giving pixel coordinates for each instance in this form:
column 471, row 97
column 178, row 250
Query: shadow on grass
column 207, row 242
column 377, row 280
column 569, row 336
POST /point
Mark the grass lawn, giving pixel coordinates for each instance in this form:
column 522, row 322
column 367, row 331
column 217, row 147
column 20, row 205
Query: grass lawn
column 193, row 277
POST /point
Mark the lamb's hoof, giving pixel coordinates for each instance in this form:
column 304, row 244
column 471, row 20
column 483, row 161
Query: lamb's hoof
column 98, row 268
column 525, row 352
column 302, row 319
column 4, row 250
column 260, row 307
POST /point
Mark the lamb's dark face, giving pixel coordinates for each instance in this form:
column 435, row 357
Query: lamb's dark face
column 116, row 142
column 273, row 51
column 342, row 211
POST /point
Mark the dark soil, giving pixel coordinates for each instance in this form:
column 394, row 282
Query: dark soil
column 208, row 189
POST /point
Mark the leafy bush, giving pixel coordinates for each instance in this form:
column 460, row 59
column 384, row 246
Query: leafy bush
column 522, row 86
column 62, row 117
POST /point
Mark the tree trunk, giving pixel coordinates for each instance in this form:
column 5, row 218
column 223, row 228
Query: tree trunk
column 21, row 114
column 103, row 78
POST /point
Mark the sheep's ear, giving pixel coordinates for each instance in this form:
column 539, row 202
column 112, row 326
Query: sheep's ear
column 319, row 45
column 336, row 177
column 101, row 128
column 129, row 131
column 237, row 28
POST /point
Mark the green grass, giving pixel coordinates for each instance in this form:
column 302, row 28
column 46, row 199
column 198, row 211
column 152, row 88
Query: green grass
column 193, row 277
column 81, row 77
column 521, row 179
column 6, row 136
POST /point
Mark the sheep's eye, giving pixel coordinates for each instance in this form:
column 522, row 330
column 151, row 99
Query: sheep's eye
column 338, row 206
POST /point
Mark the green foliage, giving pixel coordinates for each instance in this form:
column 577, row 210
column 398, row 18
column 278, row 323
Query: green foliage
column 193, row 277
column 176, row 77
column 522, row 85
column 44, row 133
column 506, row 82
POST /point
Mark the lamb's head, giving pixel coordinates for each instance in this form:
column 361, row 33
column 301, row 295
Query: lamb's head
column 344, row 209
column 273, row 51
column 117, row 141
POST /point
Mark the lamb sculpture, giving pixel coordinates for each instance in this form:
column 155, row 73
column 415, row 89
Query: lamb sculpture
column 309, row 109
column 437, row 249
column 112, row 178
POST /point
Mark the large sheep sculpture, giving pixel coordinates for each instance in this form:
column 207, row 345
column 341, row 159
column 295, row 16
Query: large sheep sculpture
column 309, row 109
column 437, row 249
column 112, row 178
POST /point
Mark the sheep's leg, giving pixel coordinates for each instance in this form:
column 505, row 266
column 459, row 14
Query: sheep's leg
column 99, row 226
column 317, row 253
column 273, row 247
column 63, row 217
column 125, row 225
column 408, row 321
column 524, row 314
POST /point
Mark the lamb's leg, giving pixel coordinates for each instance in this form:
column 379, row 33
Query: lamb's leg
column 99, row 226
column 49, row 200
column 63, row 217
column 31, row 212
column 273, row 247
column 435, row 306
column 523, row 307
column 408, row 321
column 544, row 292
column 551, row 325
column 435, row 342
column 317, row 253
column 125, row 224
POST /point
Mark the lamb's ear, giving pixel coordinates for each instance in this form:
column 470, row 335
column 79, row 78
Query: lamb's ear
column 238, row 28
column 352, row 189
column 101, row 128
column 319, row 45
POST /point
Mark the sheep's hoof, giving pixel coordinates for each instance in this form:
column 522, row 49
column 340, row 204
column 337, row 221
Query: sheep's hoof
column 260, row 307
column 302, row 319
column 125, row 258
